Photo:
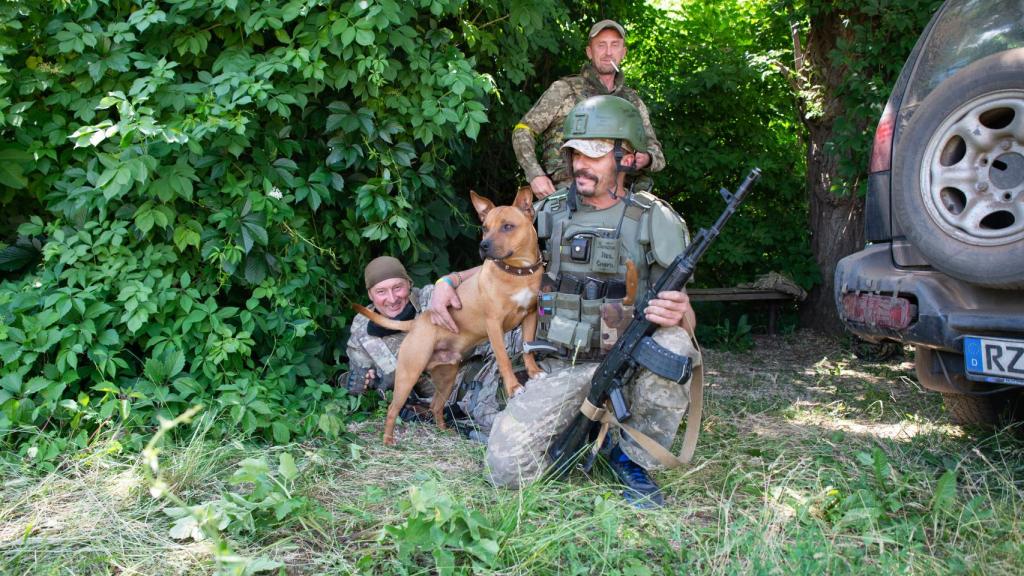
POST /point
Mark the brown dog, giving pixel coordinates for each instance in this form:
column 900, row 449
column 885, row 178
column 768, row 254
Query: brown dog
column 501, row 296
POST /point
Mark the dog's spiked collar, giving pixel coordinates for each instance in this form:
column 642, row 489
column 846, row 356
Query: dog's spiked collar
column 519, row 271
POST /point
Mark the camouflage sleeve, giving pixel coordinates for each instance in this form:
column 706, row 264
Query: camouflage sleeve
column 423, row 296
column 357, row 356
column 653, row 146
column 537, row 121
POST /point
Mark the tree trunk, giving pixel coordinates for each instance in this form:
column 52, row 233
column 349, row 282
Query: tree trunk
column 836, row 220
column 837, row 229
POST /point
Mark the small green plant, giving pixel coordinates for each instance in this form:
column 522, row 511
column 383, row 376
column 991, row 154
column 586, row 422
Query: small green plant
column 460, row 540
column 271, row 503
column 881, row 497
column 724, row 336
column 205, row 521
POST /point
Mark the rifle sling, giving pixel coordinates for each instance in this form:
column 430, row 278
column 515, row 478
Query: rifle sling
column 693, row 416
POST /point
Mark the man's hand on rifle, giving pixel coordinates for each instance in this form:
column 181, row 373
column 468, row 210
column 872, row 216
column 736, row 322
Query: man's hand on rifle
column 671, row 308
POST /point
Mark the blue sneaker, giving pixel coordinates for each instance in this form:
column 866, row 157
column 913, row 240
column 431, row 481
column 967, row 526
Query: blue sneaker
column 640, row 490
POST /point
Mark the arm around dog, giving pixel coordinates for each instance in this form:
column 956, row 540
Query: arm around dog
column 445, row 297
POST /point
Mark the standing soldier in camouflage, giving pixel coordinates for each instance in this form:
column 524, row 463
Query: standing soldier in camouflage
column 606, row 48
column 590, row 232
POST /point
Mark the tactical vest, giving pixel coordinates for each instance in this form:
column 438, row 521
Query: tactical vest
column 587, row 250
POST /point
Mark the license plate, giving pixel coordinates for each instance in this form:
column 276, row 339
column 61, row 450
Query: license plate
column 994, row 360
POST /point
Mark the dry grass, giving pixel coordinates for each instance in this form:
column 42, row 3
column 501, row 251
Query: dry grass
column 787, row 479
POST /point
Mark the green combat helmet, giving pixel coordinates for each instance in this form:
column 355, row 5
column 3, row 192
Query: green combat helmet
column 608, row 117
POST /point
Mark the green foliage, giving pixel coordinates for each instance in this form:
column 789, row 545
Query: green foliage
column 883, row 498
column 209, row 178
column 209, row 520
column 461, row 541
column 872, row 41
column 24, row 253
column 269, row 502
column 727, row 337
column 719, row 109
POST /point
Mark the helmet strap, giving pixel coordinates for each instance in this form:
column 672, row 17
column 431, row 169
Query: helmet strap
column 618, row 152
column 629, row 199
column 571, row 201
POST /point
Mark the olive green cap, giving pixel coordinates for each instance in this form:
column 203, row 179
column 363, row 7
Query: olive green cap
column 383, row 268
column 603, row 24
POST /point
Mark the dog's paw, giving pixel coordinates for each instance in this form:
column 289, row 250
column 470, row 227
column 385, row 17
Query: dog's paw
column 517, row 391
column 538, row 374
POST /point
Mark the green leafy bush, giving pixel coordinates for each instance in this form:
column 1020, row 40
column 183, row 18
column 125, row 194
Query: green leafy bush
column 209, row 178
column 456, row 537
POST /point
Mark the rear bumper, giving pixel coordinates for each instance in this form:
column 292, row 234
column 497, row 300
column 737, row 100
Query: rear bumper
column 947, row 309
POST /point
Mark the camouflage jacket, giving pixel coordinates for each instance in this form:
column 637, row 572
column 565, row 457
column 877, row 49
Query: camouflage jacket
column 381, row 353
column 548, row 114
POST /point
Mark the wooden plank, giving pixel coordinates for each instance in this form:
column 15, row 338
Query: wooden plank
column 736, row 294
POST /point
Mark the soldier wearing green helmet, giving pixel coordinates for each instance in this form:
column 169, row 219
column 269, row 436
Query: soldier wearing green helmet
column 590, row 231
column 542, row 124
column 608, row 117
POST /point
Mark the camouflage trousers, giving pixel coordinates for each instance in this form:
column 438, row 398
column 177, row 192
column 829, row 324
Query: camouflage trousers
column 521, row 434
column 481, row 394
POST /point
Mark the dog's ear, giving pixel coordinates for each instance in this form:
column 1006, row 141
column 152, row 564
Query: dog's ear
column 481, row 204
column 524, row 201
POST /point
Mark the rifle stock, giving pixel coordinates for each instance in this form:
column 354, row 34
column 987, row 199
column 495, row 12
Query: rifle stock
column 618, row 367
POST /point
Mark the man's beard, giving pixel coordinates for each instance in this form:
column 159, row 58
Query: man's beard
column 605, row 67
column 587, row 174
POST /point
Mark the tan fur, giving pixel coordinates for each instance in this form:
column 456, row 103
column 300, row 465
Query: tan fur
column 487, row 311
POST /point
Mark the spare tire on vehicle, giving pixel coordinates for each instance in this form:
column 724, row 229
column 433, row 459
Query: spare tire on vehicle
column 959, row 173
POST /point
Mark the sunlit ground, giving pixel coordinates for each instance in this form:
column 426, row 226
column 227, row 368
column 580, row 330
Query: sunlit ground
column 806, row 455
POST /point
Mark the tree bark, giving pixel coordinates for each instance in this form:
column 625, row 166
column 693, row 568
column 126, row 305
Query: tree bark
column 836, row 220
column 837, row 229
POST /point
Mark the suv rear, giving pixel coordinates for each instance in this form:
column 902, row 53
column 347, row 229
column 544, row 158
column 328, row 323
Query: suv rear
column 944, row 265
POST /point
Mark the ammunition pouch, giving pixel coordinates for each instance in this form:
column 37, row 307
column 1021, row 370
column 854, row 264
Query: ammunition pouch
column 572, row 314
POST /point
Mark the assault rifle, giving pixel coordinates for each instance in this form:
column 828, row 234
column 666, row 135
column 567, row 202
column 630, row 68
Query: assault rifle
column 636, row 349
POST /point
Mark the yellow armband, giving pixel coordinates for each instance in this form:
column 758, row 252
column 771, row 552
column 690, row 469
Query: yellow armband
column 524, row 127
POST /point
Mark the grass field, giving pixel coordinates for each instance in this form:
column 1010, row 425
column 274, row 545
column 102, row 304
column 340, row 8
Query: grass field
column 810, row 462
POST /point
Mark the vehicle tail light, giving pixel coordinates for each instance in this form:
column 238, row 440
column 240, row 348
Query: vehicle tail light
column 877, row 310
column 881, row 150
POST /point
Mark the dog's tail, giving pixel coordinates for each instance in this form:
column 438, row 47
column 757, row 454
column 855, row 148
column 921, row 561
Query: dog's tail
column 383, row 321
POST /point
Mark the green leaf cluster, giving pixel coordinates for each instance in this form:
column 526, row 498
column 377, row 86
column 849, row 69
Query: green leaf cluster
column 269, row 500
column 873, row 40
column 209, row 179
column 719, row 109
column 882, row 497
column 460, row 540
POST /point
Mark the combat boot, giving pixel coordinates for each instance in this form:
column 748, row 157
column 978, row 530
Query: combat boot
column 641, row 491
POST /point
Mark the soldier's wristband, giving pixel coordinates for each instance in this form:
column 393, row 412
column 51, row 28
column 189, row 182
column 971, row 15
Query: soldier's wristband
column 447, row 280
